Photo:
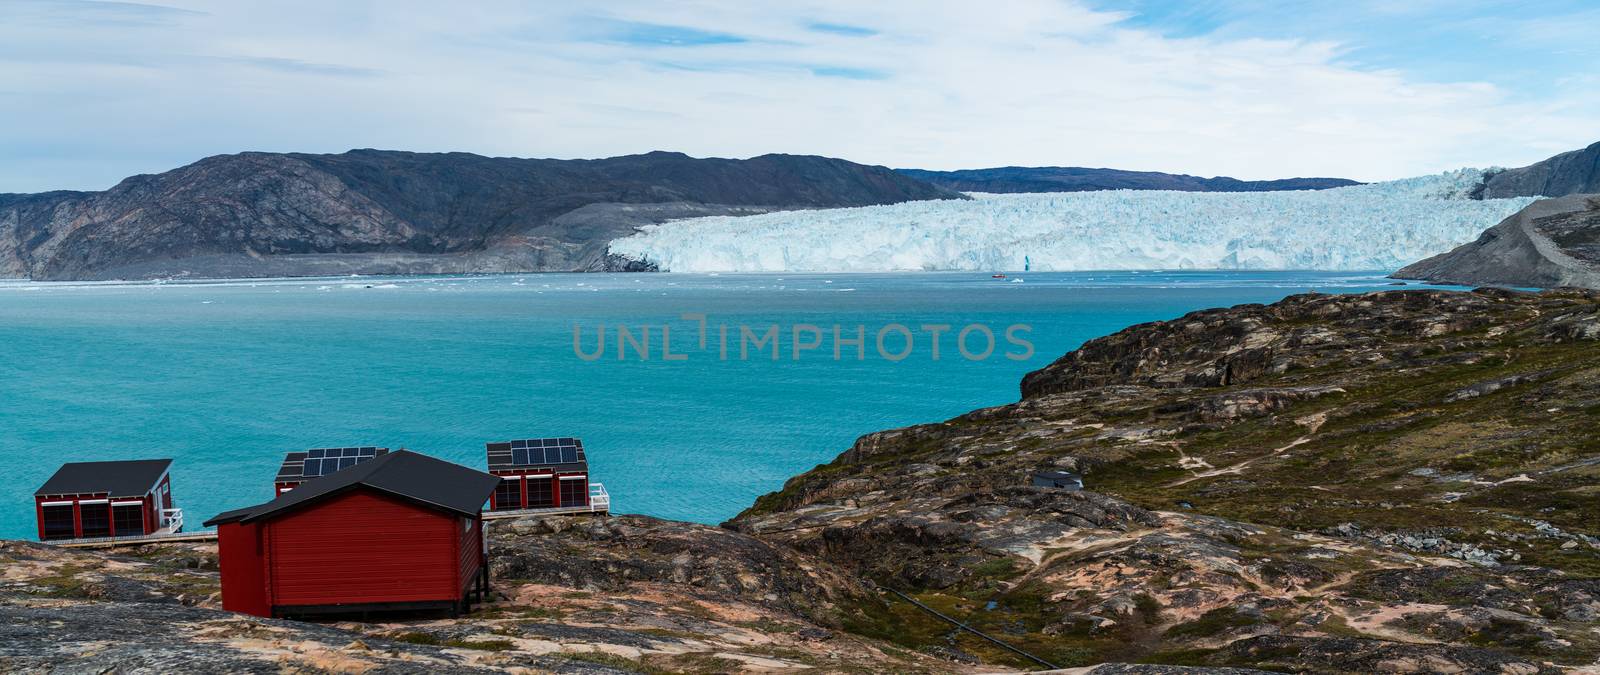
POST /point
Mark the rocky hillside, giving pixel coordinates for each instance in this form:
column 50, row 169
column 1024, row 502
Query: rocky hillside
column 1393, row 482
column 372, row 212
column 1079, row 179
column 575, row 595
column 1576, row 172
column 1551, row 243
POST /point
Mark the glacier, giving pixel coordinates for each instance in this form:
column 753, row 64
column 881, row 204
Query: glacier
column 1378, row 226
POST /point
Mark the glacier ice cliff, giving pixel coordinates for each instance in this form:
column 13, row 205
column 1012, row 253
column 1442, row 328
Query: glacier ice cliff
column 1364, row 227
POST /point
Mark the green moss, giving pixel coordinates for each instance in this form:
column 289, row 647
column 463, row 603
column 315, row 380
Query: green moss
column 1149, row 608
column 65, row 583
column 1180, row 657
column 483, row 645
column 1336, row 626
column 419, row 639
column 995, row 568
column 614, row 661
column 1211, row 623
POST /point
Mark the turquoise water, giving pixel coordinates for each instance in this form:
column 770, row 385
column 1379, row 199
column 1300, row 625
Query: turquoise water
column 225, row 377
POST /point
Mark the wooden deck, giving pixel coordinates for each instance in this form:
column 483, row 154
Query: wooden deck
column 599, row 502
column 557, row 511
column 159, row 538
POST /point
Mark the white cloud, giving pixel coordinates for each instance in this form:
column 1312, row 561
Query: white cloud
column 91, row 92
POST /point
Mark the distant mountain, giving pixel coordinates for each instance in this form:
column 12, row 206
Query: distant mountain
column 1078, row 179
column 1576, row 172
column 1550, row 243
column 383, row 212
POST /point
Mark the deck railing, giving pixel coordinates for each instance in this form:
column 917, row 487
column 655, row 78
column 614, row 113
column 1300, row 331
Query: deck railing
column 171, row 520
column 599, row 499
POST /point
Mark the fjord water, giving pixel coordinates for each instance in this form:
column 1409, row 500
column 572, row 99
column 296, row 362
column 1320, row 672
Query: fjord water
column 224, row 377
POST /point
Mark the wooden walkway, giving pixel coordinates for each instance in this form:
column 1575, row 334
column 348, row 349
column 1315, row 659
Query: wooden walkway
column 557, row 511
column 109, row 542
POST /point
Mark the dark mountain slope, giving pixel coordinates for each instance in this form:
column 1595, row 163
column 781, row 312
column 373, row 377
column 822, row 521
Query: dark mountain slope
column 1079, row 179
column 1550, row 243
column 1576, row 172
column 370, row 211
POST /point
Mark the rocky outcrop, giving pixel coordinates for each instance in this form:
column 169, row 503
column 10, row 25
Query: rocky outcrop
column 1348, row 655
column 1576, row 172
column 1394, row 482
column 1255, row 343
column 1551, row 243
column 1079, row 179
column 572, row 595
column 377, row 212
column 610, row 554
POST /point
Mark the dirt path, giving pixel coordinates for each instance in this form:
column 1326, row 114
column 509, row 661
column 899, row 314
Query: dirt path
column 1232, row 469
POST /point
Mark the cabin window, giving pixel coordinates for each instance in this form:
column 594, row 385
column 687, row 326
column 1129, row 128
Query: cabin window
column 575, row 492
column 96, row 519
column 539, row 495
column 58, row 522
column 129, row 519
column 508, row 495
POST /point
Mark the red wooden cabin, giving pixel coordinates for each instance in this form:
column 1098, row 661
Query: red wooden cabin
column 299, row 467
column 86, row 500
column 539, row 473
column 400, row 531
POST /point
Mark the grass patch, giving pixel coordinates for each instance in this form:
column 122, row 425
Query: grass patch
column 1214, row 622
column 482, row 645
column 419, row 639
column 996, row 568
column 614, row 661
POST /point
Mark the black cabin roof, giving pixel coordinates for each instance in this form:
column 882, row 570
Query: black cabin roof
column 127, row 478
column 404, row 474
column 295, row 469
column 560, row 454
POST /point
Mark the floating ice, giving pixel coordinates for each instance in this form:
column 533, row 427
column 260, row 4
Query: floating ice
column 1364, row 227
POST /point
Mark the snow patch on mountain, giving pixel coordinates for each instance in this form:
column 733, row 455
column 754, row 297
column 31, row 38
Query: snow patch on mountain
column 1363, row 227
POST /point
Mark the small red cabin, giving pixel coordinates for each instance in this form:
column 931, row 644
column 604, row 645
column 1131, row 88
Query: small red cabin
column 86, row 500
column 399, row 531
column 299, row 467
column 538, row 474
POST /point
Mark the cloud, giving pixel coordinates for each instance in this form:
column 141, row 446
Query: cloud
column 298, row 66
column 91, row 12
column 934, row 84
column 849, row 73
column 642, row 34
column 841, row 29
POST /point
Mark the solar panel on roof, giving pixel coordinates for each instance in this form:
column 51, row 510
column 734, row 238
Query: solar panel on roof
column 538, row 451
column 323, row 461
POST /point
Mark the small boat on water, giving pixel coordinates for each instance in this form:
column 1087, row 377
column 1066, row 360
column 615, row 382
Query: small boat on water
column 997, row 276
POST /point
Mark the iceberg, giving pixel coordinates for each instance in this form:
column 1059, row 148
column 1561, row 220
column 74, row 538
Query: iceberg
column 1378, row 226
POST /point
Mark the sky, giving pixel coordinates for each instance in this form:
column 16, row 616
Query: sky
column 92, row 92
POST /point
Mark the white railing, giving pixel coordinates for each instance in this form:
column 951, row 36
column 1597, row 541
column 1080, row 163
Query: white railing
column 599, row 499
column 171, row 520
